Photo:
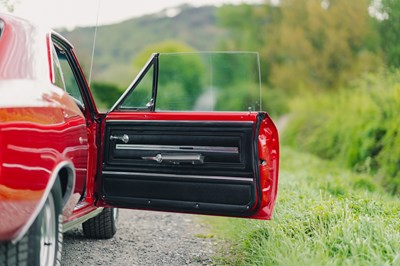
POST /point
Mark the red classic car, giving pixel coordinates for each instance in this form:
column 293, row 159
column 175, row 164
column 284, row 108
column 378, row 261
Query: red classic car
column 63, row 163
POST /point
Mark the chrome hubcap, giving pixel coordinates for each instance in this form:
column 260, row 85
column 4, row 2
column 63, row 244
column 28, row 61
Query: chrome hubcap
column 48, row 238
column 115, row 215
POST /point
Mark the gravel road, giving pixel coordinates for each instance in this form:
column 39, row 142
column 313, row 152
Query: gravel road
column 144, row 238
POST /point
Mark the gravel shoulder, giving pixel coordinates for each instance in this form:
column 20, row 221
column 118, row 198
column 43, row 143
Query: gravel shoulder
column 144, row 238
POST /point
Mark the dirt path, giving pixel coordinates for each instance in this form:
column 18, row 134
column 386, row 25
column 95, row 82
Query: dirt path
column 144, row 238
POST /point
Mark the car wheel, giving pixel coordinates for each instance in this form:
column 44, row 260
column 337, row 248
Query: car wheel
column 42, row 244
column 103, row 226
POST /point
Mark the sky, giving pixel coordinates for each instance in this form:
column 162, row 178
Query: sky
column 71, row 13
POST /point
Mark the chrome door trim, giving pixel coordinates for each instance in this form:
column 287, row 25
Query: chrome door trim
column 192, row 149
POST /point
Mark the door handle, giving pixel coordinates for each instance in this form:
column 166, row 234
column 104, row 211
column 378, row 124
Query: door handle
column 177, row 158
column 124, row 138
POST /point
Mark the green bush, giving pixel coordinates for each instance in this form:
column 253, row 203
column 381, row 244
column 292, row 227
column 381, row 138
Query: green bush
column 357, row 126
column 275, row 101
column 105, row 94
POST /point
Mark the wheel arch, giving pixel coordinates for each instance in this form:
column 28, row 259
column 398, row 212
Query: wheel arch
column 65, row 172
column 66, row 175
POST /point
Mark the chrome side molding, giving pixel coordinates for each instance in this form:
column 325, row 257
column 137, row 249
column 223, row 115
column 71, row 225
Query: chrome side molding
column 194, row 149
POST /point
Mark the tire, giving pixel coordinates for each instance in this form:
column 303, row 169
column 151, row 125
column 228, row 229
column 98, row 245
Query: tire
column 103, row 226
column 42, row 244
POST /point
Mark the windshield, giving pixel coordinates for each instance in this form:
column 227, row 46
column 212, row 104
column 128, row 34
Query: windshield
column 207, row 81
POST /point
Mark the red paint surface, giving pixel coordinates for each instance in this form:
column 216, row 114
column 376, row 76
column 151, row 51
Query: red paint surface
column 268, row 151
column 33, row 141
column 184, row 116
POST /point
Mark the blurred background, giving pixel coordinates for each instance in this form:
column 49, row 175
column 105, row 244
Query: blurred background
column 329, row 68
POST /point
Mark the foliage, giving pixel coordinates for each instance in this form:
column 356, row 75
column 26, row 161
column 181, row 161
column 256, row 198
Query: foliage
column 185, row 70
column 142, row 94
column 247, row 26
column 234, row 79
column 242, row 95
column 323, row 216
column 275, row 101
column 306, row 44
column 173, row 96
column 246, row 23
column 357, row 126
column 389, row 29
column 105, row 94
column 239, row 96
column 230, row 68
column 180, row 75
column 166, row 46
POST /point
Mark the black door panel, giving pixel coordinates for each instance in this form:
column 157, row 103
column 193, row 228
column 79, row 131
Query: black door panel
column 202, row 191
column 200, row 166
column 225, row 147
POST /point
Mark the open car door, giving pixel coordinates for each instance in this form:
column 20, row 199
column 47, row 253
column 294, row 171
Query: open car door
column 166, row 149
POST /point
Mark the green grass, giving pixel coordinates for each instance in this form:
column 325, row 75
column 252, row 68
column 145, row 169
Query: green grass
column 357, row 126
column 324, row 215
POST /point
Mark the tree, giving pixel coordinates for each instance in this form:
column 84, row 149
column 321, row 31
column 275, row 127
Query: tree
column 106, row 94
column 322, row 46
column 247, row 26
column 389, row 29
column 307, row 44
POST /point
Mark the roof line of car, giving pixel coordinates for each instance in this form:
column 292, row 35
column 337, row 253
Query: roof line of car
column 62, row 40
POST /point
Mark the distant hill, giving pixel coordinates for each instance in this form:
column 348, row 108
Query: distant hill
column 118, row 44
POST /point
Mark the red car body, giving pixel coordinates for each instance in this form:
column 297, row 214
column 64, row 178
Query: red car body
column 42, row 131
column 45, row 135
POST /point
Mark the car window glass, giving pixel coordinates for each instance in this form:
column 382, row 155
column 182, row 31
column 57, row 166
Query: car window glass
column 209, row 81
column 206, row 81
column 140, row 97
column 71, row 85
column 58, row 77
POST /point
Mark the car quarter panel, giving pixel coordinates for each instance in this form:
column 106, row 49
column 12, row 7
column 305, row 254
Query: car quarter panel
column 40, row 128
